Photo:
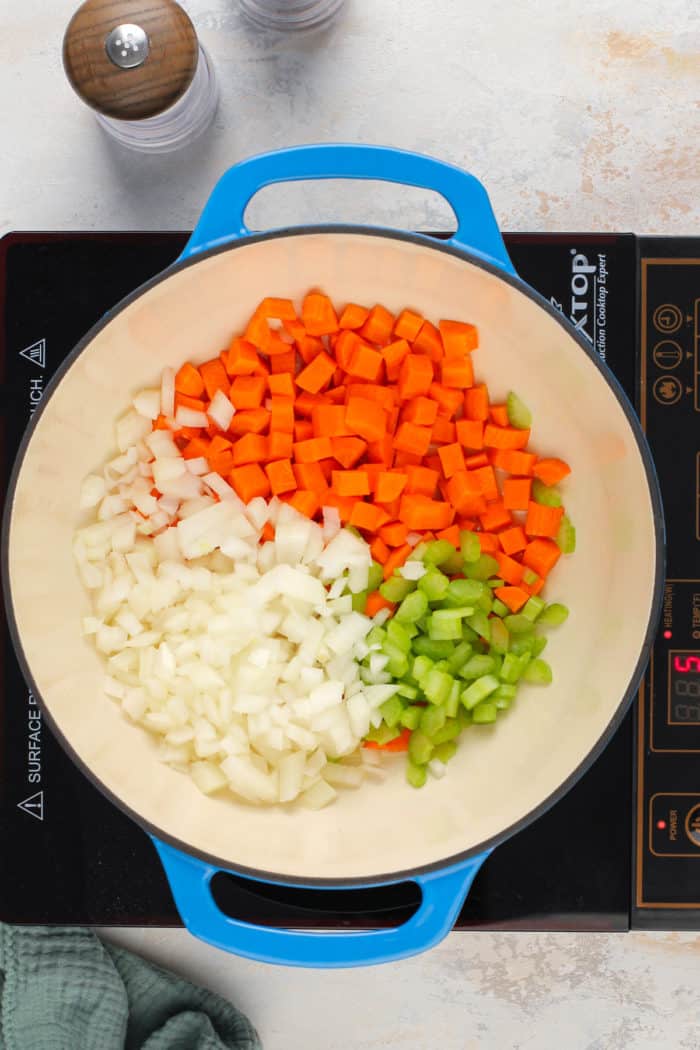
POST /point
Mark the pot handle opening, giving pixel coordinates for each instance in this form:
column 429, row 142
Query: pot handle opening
column 222, row 220
column 443, row 893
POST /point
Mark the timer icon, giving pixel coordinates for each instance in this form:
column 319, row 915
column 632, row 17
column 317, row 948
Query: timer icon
column 667, row 390
column 668, row 317
column 667, row 354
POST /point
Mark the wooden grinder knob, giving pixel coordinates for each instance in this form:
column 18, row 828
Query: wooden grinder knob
column 130, row 59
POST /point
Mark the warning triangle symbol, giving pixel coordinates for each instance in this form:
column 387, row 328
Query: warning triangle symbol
column 34, row 805
column 36, row 353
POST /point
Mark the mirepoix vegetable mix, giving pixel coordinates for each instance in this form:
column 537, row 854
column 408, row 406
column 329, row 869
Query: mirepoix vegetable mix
column 324, row 544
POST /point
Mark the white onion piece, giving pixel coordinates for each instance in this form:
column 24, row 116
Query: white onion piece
column 190, row 417
column 92, row 490
column 167, row 393
column 148, row 403
column 221, row 411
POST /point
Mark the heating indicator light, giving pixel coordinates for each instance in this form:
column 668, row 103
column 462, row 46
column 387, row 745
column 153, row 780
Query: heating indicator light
column 661, row 825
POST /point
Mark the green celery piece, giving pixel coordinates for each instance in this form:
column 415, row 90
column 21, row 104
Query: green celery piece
column 437, row 686
column 464, row 592
column 374, row 576
column 450, row 731
column 396, row 588
column 464, row 717
column 547, row 495
column 442, row 665
column 420, row 748
column 512, row 668
column 446, row 751
column 418, row 551
column 376, row 636
column 412, row 607
column 424, row 646
column 410, row 716
column 494, row 583
column 497, row 661
column 553, row 615
column 481, row 569
column 538, row 672
column 438, row 551
column 391, row 711
column 383, row 735
column 485, row 714
column 431, row 720
column 398, row 659
column 499, row 608
column 446, row 624
column 398, row 634
column 470, row 546
column 459, row 655
column 530, row 577
column 566, row 536
column 452, row 702
column 532, row 608
column 500, row 637
column 479, row 690
column 406, row 690
column 476, row 666
column 505, row 691
column 519, row 415
column 468, row 635
column 359, row 601
column 434, row 585
column 421, row 666
column 539, row 643
column 416, row 775
column 480, row 623
column 522, row 643
column 485, row 603
column 452, row 565
column 517, row 623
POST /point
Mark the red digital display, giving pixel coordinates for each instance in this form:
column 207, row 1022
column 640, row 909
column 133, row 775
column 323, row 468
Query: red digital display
column 685, row 688
column 686, row 664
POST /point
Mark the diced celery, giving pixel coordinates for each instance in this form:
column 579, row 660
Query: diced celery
column 374, row 576
column 500, row 638
column 437, row 552
column 539, row 643
column 464, row 717
column 554, row 615
column 522, row 643
column 396, row 588
column 398, row 659
column 505, row 691
column 530, row 577
column 538, row 672
column 416, row 775
column 391, row 711
column 566, row 536
column 481, row 569
column 437, row 686
column 383, row 735
column 464, row 592
column 468, row 635
column 376, row 636
column 410, row 716
column 412, row 607
column 470, row 546
column 452, row 565
column 480, row 623
column 450, row 731
column 434, row 585
column 486, row 602
column 445, row 751
column 408, row 691
column 459, row 655
column 418, row 552
column 431, row 720
column 513, row 667
column 421, row 666
column 420, row 748
column 398, row 634
column 359, row 601
column 476, row 666
column 547, row 495
column 519, row 415
column 479, row 690
column 485, row 714
column 517, row 623
column 499, row 608
column 494, row 583
column 442, row 665
column 452, row 702
column 532, row 608
column 446, row 624
column 435, row 650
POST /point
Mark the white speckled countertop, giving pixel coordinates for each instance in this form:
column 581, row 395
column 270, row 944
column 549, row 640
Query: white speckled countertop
column 576, row 116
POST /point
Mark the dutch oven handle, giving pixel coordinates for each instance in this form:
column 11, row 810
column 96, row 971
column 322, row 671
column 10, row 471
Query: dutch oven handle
column 222, row 220
column 442, row 895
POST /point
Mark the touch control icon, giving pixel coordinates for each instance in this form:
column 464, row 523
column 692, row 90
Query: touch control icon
column 667, row 390
column 692, row 825
column 667, row 354
column 667, row 318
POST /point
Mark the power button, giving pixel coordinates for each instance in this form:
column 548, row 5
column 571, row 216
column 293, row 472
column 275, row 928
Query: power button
column 692, row 825
column 674, row 824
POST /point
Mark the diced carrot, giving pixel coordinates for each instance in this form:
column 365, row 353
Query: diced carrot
column 310, row 476
column 535, row 587
column 428, row 341
column 512, row 540
column 279, row 309
column 496, row 516
column 444, row 431
column 283, row 363
column 365, row 363
column 542, row 520
column 161, row 423
column 317, row 373
column 476, row 403
column 189, row 381
column 255, row 420
column 420, row 410
column 513, row 597
column 394, row 534
column 185, row 401
column 281, row 385
column 451, row 458
column 372, row 470
column 499, row 415
column 458, row 338
column 318, row 314
column 404, row 459
column 279, row 445
column 457, row 372
column 250, row 481
column 411, row 438
column 306, row 403
column 258, row 332
column 303, row 430
column 350, row 482
column 196, row 448
column 520, row 463
column 551, row 471
column 268, row 532
column 348, row 450
column 247, row 392
column 307, row 345
column 214, row 377
column 353, row 316
column 381, row 451
column 488, row 542
column 509, row 438
column 306, row 503
column 479, row 459
column 448, row 400
column 379, row 550
column 393, row 355
column 329, row 421
column 399, row 743
column 421, row 512
column 408, row 325
column 541, row 555
column 366, row 418
column 415, row 376
column 465, row 495
column 389, row 485
column 378, row 326
column 335, row 395
column 367, row 516
column 312, row 450
column 281, row 476
column 282, row 415
column 509, row 569
column 451, row 534
column 396, row 559
column 516, row 493
column 486, row 480
column 375, row 602
column 250, row 448
column 470, row 433
column 276, row 345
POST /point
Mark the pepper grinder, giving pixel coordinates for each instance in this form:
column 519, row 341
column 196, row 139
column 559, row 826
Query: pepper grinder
column 139, row 65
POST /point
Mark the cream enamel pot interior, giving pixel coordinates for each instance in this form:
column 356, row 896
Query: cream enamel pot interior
column 502, row 777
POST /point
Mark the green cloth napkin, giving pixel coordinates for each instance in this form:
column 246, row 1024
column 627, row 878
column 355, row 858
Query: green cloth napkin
column 61, row 988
